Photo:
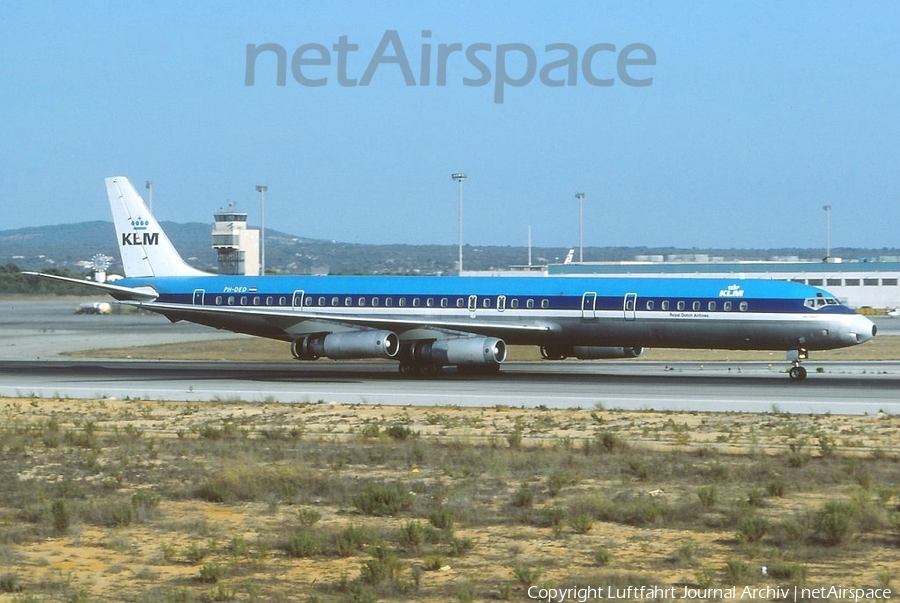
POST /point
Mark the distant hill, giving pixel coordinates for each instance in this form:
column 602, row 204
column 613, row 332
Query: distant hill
column 65, row 246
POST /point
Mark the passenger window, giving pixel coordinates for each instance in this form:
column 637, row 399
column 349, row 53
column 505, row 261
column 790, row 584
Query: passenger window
column 650, row 304
column 389, row 301
column 460, row 302
column 665, row 304
column 711, row 306
column 743, row 306
column 529, row 304
column 486, row 302
column 335, row 302
column 444, row 302
column 243, row 300
column 374, row 302
column 282, row 301
column 230, row 300
column 545, row 303
column 269, row 301
column 322, row 300
column 255, row 300
column 218, row 300
column 429, row 302
column 695, row 306
column 402, row 302
column 727, row 306
column 514, row 303
column 361, row 302
column 416, row 302
column 680, row 305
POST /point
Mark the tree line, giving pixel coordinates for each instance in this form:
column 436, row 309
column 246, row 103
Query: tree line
column 13, row 281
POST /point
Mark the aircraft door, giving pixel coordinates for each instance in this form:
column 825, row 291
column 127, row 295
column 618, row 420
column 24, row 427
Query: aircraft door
column 629, row 306
column 199, row 295
column 589, row 305
column 297, row 302
column 473, row 305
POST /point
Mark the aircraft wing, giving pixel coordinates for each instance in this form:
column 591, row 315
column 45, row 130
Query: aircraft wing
column 285, row 323
column 291, row 321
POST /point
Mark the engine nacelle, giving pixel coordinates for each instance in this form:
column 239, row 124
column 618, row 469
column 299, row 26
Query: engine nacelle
column 461, row 351
column 597, row 352
column 347, row 346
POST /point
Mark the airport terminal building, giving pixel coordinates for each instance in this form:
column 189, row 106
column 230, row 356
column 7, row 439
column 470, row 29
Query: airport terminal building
column 858, row 284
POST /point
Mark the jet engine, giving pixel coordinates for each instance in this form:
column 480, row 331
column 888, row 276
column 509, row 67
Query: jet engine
column 346, row 346
column 596, row 352
column 461, row 351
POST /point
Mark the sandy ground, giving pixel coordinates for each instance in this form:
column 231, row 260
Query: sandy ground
column 164, row 557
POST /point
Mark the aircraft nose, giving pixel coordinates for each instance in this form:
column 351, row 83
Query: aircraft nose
column 863, row 328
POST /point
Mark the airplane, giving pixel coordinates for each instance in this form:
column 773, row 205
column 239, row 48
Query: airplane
column 430, row 322
column 893, row 313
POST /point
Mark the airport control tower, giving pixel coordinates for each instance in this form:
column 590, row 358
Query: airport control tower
column 236, row 245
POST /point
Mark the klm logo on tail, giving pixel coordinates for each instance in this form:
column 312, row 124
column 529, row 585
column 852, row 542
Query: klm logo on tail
column 143, row 245
column 140, row 238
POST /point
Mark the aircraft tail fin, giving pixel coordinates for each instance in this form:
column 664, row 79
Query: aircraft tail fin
column 144, row 247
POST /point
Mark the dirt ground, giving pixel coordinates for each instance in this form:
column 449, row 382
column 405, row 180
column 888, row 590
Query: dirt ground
column 258, row 502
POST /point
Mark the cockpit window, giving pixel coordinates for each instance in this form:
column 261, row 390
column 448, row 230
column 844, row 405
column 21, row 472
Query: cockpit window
column 815, row 303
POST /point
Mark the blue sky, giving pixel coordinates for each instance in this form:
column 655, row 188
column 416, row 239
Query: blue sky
column 758, row 115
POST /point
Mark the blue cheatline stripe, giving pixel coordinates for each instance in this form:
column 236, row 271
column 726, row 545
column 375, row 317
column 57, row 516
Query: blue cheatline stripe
column 238, row 292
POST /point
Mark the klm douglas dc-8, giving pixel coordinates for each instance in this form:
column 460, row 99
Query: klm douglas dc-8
column 427, row 323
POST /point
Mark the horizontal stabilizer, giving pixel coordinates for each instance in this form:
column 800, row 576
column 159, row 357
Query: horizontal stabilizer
column 141, row 294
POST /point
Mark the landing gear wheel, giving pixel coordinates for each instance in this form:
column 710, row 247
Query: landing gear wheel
column 797, row 373
column 418, row 370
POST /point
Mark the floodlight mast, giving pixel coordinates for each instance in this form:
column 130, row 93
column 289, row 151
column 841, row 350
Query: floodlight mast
column 459, row 177
column 261, row 189
column 580, row 197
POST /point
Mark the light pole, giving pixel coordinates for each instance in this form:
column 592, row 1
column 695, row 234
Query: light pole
column 580, row 197
column 150, row 195
column 262, row 228
column 459, row 177
column 827, row 209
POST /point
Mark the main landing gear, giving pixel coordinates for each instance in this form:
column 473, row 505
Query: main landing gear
column 797, row 372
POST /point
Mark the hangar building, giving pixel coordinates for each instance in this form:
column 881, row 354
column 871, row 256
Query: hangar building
column 858, row 284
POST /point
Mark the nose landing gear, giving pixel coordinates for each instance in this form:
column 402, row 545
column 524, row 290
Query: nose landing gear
column 797, row 372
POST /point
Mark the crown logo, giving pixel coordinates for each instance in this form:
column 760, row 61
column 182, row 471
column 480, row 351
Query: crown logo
column 140, row 224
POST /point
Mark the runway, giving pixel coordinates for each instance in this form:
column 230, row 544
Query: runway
column 32, row 334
